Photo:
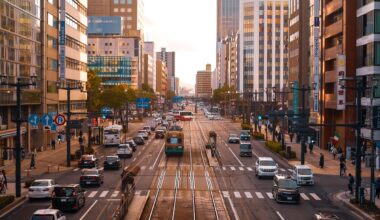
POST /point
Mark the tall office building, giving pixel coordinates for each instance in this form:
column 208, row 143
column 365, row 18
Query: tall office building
column 263, row 53
column 161, row 77
column 169, row 59
column 338, row 51
column 227, row 18
column 150, row 64
column 203, row 83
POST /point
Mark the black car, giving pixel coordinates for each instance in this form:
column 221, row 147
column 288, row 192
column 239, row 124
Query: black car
column 285, row 189
column 91, row 177
column 159, row 134
column 139, row 140
column 88, row 161
column 68, row 197
column 112, row 162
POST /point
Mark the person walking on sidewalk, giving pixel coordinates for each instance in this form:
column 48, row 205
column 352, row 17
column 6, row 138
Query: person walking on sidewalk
column 33, row 161
column 377, row 187
column 342, row 169
column 5, row 178
column 53, row 144
column 311, row 146
column 321, row 160
column 291, row 136
column 351, row 182
column 333, row 151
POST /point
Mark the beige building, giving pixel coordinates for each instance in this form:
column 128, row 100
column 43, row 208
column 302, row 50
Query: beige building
column 161, row 77
column 203, row 83
column 177, row 86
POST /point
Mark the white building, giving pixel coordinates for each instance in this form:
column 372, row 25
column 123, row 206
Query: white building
column 151, row 74
column 263, row 48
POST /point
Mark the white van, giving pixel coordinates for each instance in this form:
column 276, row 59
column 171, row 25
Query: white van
column 303, row 175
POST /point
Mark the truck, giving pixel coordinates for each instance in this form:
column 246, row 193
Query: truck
column 245, row 149
column 245, row 135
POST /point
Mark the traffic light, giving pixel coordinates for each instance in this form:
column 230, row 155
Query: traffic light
column 103, row 116
column 259, row 117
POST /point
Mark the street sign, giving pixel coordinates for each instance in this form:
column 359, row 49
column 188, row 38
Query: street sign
column 34, row 120
column 53, row 128
column 60, row 119
column 75, row 123
column 47, row 120
column 105, row 110
column 142, row 102
column 177, row 99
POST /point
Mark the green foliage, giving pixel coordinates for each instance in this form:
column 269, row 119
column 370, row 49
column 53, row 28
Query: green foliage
column 258, row 136
column 293, row 154
column 224, row 93
column 114, row 97
column 93, row 87
column 6, row 200
column 274, row 146
column 89, row 150
column 247, row 127
column 169, row 95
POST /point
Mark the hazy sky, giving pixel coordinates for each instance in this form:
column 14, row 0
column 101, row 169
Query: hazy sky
column 186, row 27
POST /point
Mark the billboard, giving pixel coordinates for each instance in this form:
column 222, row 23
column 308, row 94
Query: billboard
column 105, row 25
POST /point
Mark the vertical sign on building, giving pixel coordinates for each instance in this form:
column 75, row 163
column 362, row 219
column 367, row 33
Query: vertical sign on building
column 316, row 56
column 62, row 35
column 341, row 92
column 295, row 99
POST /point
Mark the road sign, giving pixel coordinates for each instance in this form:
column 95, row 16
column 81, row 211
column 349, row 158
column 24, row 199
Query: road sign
column 53, row 128
column 47, row 120
column 176, row 99
column 34, row 120
column 142, row 102
column 60, row 119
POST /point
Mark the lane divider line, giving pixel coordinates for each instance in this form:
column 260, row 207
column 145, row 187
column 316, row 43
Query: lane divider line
column 88, row 210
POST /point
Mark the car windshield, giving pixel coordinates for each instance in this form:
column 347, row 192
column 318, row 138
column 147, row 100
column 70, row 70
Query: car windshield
column 112, row 131
column 233, row 135
column 267, row 163
column 111, row 159
column 304, row 171
column 287, row 184
column 90, row 172
column 43, row 217
column 63, row 191
column 40, row 183
column 245, row 146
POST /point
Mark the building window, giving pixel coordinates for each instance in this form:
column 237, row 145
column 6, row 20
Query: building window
column 129, row 18
column 122, row 1
column 129, row 2
column 115, row 10
column 116, row 2
column 52, row 2
column 52, row 42
column 52, row 21
column 377, row 21
column 106, row 44
column 377, row 53
column 51, row 87
column 122, row 9
column 129, row 9
column 110, row 44
column 52, row 64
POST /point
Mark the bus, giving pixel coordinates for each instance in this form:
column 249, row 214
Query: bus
column 174, row 143
column 112, row 135
column 184, row 116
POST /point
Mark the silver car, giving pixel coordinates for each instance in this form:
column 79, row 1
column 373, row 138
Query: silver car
column 42, row 188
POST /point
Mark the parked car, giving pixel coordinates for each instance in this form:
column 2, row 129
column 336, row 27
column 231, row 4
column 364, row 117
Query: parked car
column 112, row 162
column 68, row 197
column 88, row 161
column 91, row 177
column 144, row 134
column 132, row 144
column 48, row 214
column 139, row 140
column 303, row 175
column 41, row 188
column 148, row 129
column 159, row 134
column 285, row 189
column 217, row 117
column 124, row 151
column 266, row 166
column 163, row 128
column 233, row 138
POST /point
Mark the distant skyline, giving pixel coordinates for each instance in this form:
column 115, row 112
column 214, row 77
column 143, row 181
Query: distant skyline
column 188, row 28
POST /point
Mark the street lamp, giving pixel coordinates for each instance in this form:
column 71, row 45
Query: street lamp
column 18, row 85
column 69, row 85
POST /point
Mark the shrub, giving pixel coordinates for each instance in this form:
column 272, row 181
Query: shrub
column 28, row 182
column 247, row 127
column 6, row 200
column 273, row 145
column 293, row 154
column 258, row 136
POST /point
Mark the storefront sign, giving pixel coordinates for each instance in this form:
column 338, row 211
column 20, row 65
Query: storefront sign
column 62, row 35
column 341, row 91
column 316, row 56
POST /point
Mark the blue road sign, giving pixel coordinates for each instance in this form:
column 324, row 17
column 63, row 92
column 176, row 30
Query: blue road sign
column 105, row 110
column 142, row 102
column 53, row 127
column 177, row 99
column 34, row 120
column 47, row 120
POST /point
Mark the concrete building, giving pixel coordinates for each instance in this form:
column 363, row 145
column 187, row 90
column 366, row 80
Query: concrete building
column 203, row 83
column 177, row 87
column 227, row 18
column 169, row 59
column 149, row 65
column 368, row 70
column 161, row 77
column 263, row 49
column 338, row 51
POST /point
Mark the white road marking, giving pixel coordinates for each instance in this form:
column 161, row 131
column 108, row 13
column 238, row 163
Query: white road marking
column 226, row 194
column 143, row 167
column 270, row 195
column 101, row 157
column 232, row 168
column 76, row 169
column 113, row 200
column 114, row 194
column 158, row 155
column 224, row 168
column 139, row 153
column 233, row 208
column 259, row 195
column 237, row 194
column 290, row 170
column 241, row 164
column 88, row 210
column 103, row 194
column 249, row 168
column 92, row 194
column 248, row 195
column 138, row 192
column 143, row 148
column 254, row 154
column 315, row 196
column 279, row 215
column 282, row 169
column 241, row 168
column 304, row 196
column 134, row 159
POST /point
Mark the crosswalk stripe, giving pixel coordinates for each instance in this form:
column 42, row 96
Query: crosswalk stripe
column 92, row 194
column 232, row 168
column 226, row 194
column 282, row 169
column 270, row 195
column 248, row 195
column 138, row 192
column 315, row 196
column 290, row 170
column 237, row 194
column 143, row 167
column 249, row 168
column 304, row 196
column 241, row 168
column 224, row 168
column 259, row 195
column 103, row 194
column 114, row 194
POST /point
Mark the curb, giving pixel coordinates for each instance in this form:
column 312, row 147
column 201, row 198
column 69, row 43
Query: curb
column 14, row 205
column 352, row 207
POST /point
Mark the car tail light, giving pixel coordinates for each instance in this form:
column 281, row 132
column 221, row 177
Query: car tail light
column 74, row 193
column 31, row 190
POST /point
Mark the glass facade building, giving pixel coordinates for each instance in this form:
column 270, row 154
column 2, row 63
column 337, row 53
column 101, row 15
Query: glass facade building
column 227, row 18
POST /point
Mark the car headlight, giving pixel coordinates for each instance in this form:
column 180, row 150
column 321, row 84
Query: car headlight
column 180, row 147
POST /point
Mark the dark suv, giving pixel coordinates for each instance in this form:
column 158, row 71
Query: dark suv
column 285, row 189
column 112, row 162
column 68, row 197
column 88, row 161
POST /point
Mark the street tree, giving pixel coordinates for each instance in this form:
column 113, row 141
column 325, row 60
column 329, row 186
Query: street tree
column 93, row 87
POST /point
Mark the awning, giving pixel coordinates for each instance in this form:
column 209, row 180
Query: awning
column 11, row 133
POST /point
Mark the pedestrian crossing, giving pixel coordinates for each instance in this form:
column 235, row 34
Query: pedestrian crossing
column 106, row 194
column 250, row 169
column 265, row 195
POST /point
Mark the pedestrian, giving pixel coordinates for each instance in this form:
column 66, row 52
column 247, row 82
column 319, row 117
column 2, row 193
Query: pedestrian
column 342, row 169
column 33, row 161
column 2, row 184
column 53, row 144
column 321, row 160
column 378, row 187
column 311, row 146
column 339, row 152
column 5, row 179
column 333, row 151
column 342, row 158
column 59, row 138
column 291, row 135
column 351, row 182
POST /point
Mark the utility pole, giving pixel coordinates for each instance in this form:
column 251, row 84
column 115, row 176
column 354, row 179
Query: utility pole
column 68, row 86
column 18, row 85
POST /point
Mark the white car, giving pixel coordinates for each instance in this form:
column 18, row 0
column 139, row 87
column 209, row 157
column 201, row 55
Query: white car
column 124, row 151
column 143, row 134
column 42, row 188
column 217, row 117
column 51, row 214
column 233, row 138
column 303, row 175
column 266, row 166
